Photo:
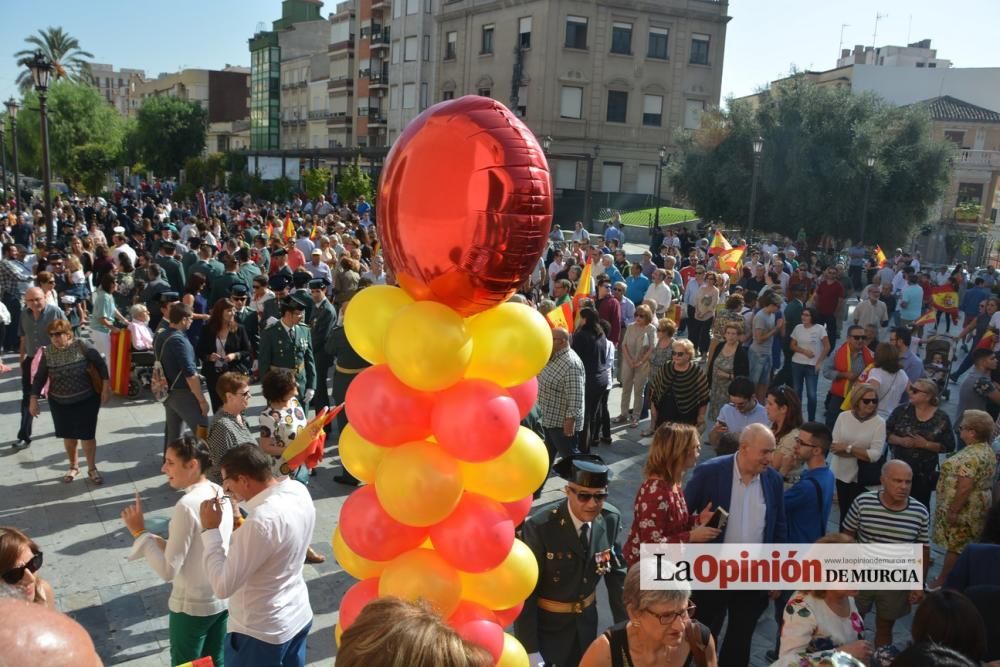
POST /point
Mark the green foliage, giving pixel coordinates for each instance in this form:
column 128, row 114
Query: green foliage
column 316, row 182
column 92, row 164
column 206, row 172
column 354, row 182
column 167, row 132
column 968, row 210
column 62, row 50
column 281, row 188
column 813, row 166
column 668, row 216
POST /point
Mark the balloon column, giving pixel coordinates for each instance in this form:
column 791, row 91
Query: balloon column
column 464, row 208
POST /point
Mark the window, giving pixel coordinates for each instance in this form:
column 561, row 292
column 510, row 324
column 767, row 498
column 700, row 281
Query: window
column 576, row 32
column 427, row 6
column 486, row 46
column 621, row 38
column 919, row 65
column 397, row 8
column 426, row 51
column 611, row 177
column 484, row 92
column 563, row 174
column 699, row 49
column 409, row 95
column 522, row 101
column 970, row 193
column 451, row 45
column 394, row 52
column 617, row 107
column 957, row 137
column 657, row 43
column 693, row 109
column 571, row 102
column 524, row 32
column 932, row 65
column 412, row 7
column 410, row 49
column 423, row 96
column 448, row 95
column 646, row 182
column 652, row 110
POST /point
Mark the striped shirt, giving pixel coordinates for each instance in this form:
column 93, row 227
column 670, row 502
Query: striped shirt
column 871, row 521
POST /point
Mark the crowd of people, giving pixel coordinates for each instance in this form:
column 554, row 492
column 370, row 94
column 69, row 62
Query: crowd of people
column 217, row 295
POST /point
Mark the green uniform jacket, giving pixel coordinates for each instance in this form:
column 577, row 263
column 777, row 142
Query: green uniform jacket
column 569, row 573
column 308, row 315
column 248, row 271
column 174, row 272
column 278, row 349
column 189, row 258
column 323, row 321
column 223, row 285
column 212, row 270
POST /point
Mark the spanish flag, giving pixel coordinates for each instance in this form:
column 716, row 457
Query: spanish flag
column 729, row 260
column 561, row 317
column 289, row 230
column 120, row 368
column 880, row 257
column 586, row 278
column 926, row 318
column 200, row 662
column 719, row 244
column 945, row 298
column 988, row 341
column 269, row 230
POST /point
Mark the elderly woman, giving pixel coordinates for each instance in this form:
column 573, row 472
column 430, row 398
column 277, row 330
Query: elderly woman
column 636, row 349
column 731, row 313
column 223, row 346
column 661, row 513
column 858, row 435
column 229, row 429
column 142, row 335
column 680, row 389
column 20, row 560
column 345, row 280
column 660, row 630
column 725, row 362
column 662, row 352
column 965, row 490
column 919, row 432
column 77, row 379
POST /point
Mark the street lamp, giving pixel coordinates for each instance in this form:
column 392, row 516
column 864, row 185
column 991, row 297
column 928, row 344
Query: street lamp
column 41, row 69
column 870, row 161
column 664, row 161
column 3, row 152
column 12, row 107
column 758, row 148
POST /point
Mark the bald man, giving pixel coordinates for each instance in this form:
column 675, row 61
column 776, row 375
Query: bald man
column 33, row 634
column 33, row 330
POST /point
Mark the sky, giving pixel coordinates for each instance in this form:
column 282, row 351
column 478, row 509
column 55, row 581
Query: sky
column 765, row 38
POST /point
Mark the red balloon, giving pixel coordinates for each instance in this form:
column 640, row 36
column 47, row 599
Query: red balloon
column 355, row 599
column 385, row 411
column 519, row 509
column 484, row 633
column 506, row 617
column 476, row 536
column 475, row 420
column 465, row 231
column 370, row 532
column 525, row 395
column 470, row 611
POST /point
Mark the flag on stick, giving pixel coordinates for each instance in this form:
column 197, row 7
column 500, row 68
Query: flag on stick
column 561, row 316
column 945, row 299
column 583, row 287
column 719, row 244
column 926, row 318
column 880, row 257
column 289, row 230
column 729, row 260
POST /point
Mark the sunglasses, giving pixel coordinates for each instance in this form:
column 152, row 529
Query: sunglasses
column 586, row 497
column 678, row 354
column 858, row 337
column 13, row 576
column 870, row 401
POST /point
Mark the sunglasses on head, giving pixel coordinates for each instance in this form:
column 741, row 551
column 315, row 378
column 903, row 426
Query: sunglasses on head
column 14, row 575
column 586, row 497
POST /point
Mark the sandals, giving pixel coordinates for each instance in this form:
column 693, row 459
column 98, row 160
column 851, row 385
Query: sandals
column 73, row 473
column 620, row 419
column 95, row 476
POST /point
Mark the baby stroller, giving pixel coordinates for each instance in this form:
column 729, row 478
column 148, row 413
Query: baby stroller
column 937, row 362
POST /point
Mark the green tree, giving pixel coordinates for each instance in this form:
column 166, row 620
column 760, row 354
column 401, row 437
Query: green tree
column 62, row 50
column 168, row 131
column 813, row 166
column 281, row 188
column 91, row 166
column 316, row 182
column 354, row 182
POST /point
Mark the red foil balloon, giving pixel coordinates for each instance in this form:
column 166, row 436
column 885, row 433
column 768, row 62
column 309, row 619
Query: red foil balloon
column 464, row 204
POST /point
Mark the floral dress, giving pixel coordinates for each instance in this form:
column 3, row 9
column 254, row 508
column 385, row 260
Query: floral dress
column 812, row 631
column 722, row 370
column 282, row 425
column 660, row 515
column 978, row 463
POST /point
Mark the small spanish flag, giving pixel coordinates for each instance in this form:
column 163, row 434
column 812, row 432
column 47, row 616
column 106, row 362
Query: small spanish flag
column 586, row 278
column 925, row 319
column 289, row 230
column 880, row 257
column 314, row 233
column 988, row 341
column 561, row 317
column 729, row 260
column 269, row 230
column 945, row 298
column 719, row 244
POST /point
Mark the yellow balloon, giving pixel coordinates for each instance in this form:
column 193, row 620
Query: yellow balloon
column 510, row 344
column 338, row 633
column 370, row 315
column 507, row 584
column 428, row 346
column 516, row 473
column 422, row 574
column 353, row 564
column 360, row 457
column 419, row 483
column 513, row 654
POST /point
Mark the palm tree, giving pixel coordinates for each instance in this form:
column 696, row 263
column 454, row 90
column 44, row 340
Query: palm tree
column 62, row 49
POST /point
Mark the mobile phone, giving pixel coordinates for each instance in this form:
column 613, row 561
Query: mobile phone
column 718, row 519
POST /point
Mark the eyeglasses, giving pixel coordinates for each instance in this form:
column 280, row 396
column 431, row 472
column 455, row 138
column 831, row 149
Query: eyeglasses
column 870, row 401
column 14, row 575
column 245, row 394
column 678, row 354
column 671, row 616
column 585, row 496
column 800, row 441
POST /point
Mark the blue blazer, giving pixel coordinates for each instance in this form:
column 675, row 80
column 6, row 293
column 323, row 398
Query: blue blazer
column 712, row 481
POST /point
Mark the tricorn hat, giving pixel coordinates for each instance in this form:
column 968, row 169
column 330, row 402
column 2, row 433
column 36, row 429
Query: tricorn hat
column 587, row 470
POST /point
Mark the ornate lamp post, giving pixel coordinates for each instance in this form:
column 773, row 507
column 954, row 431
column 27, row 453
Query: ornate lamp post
column 664, row 161
column 12, row 108
column 3, row 153
column 870, row 162
column 41, row 70
column 758, row 148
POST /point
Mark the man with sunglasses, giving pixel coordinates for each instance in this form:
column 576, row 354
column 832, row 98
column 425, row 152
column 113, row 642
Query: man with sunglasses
column 842, row 369
column 577, row 542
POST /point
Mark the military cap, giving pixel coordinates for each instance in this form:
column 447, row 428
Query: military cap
column 319, row 283
column 238, row 289
column 301, row 278
column 279, row 281
column 294, row 302
column 169, row 297
column 587, row 470
column 279, row 252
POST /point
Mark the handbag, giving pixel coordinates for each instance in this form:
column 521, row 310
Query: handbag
column 96, row 381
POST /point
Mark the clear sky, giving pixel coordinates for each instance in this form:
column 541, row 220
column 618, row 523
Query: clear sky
column 765, row 38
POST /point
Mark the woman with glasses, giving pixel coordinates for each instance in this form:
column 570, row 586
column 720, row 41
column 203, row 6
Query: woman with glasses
column 965, row 490
column 636, row 349
column 223, row 346
column 680, row 390
column 725, row 362
column 20, row 561
column 71, row 368
column 858, row 435
column 810, row 346
column 919, row 432
column 660, row 630
column 229, row 428
column 785, row 412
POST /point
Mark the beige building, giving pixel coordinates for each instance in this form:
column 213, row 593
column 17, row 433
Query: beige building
column 616, row 81
column 114, row 84
column 340, row 127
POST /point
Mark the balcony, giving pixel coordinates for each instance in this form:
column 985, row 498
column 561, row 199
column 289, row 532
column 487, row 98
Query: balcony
column 338, row 84
column 342, row 47
column 338, row 118
column 376, row 119
column 970, row 159
column 318, row 115
column 378, row 5
column 379, row 78
column 380, row 40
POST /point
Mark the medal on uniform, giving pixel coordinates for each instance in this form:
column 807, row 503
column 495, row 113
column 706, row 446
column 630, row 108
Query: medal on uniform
column 603, row 561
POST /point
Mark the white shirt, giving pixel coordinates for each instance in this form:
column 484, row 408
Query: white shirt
column 375, row 280
column 661, row 294
column 747, row 510
column 869, row 434
column 890, row 389
column 126, row 249
column 810, row 338
column 262, row 573
column 180, row 558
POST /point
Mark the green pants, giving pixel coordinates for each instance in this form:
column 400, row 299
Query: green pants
column 193, row 637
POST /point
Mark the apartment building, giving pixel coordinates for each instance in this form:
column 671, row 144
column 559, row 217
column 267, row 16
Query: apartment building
column 114, row 84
